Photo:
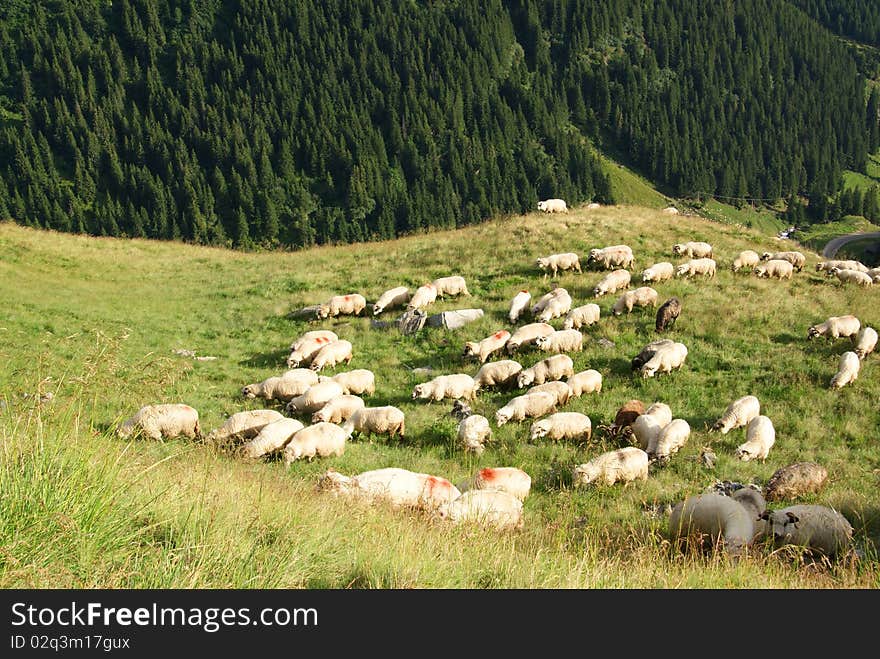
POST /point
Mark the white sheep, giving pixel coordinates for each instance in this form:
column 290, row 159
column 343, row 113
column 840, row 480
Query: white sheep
column 553, row 206
column 562, row 425
column 457, row 385
column 486, row 507
column 526, row 406
column 359, row 381
column 774, row 268
column 553, row 263
column 836, row 327
column 518, row 305
column 271, row 438
column 452, row 285
column 284, row 387
column 666, row 359
column 306, row 349
column 760, row 437
column 339, row 409
column 425, row 295
column 556, row 307
column 542, row 301
column 512, row 480
column 658, row 272
column 817, row 528
column 314, row 398
column 797, row 259
column 391, row 299
column 847, row 370
column 746, row 259
column 644, row 296
column 483, row 349
column 622, row 465
column 614, row 281
column 243, row 426
column 558, row 388
column 582, row 316
column 846, row 264
column 497, row 374
column 648, row 425
column 865, row 342
column 585, row 382
column 342, row 305
column 738, row 414
column 611, row 257
column 473, row 432
column 384, row 420
column 526, row 335
column 693, row 249
column 392, row 485
column 555, row 367
column 332, row 354
column 711, row 518
column 669, row 440
column 566, row 340
column 322, row 439
column 702, row 266
column 163, row 421
column 313, row 334
column 852, row 277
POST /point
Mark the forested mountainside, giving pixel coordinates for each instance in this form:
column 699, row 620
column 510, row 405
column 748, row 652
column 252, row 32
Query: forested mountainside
column 855, row 19
column 290, row 123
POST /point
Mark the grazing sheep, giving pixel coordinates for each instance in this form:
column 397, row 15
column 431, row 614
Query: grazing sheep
column 648, row 351
column 613, row 256
column 645, row 429
column 359, row 381
column 522, row 407
column 746, row 259
column 512, row 480
column 473, row 433
column 553, row 206
column 644, row 296
column 669, row 440
column 322, row 439
column 518, row 305
column 614, row 281
column 313, row 334
column 526, row 335
column 738, row 414
column 693, row 250
column 339, row 409
column 271, row 438
column 314, row 398
column 487, row 507
column 775, row 268
column 836, row 327
column 282, row 387
column 553, row 263
column 391, row 299
column 796, row 259
column 760, row 437
column 483, row 349
column 667, row 314
column 847, row 370
column 658, row 272
column 710, row 518
column 622, row 465
column 865, row 342
column 497, row 374
column 342, row 305
column 627, row 414
column 243, row 426
column 842, row 264
column 670, row 210
column 306, row 350
column 753, row 501
column 460, row 409
column 542, row 301
column 660, row 411
column 558, row 388
column 666, row 359
column 694, row 267
column 452, row 285
column 852, row 277
column 582, row 316
column 570, row 340
column 556, row 307
column 392, row 485
column 332, row 354
column 424, row 296
column 817, row 528
column 554, row 367
column 385, row 420
column 562, row 425
column 163, row 421
column 795, row 480
column 457, row 385
column 585, row 382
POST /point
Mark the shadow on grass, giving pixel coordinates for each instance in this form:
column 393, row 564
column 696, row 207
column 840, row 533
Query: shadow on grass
column 275, row 358
column 787, row 338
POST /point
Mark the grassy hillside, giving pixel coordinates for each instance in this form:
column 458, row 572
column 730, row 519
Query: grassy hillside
column 95, row 323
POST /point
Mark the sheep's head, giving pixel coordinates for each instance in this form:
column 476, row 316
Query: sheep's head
column 813, row 332
column 539, row 429
column 323, row 311
column 471, row 349
column 682, row 270
column 542, row 263
column 250, row 391
column 744, row 453
column 766, row 256
column 419, row 391
column 585, row 474
column 525, row 378
column 502, row 416
column 780, row 525
column 543, row 342
column 377, row 309
column 678, row 249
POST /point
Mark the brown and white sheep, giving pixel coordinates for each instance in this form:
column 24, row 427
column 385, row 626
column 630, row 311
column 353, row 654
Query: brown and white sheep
column 483, row 349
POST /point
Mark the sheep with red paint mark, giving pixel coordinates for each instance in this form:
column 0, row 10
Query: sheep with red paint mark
column 483, row 349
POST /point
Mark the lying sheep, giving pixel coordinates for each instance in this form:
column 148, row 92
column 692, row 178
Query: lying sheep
column 457, row 385
column 553, row 206
column 369, row 421
column 614, row 281
column 852, row 277
column 585, row 382
column 669, row 441
column 497, row 374
column 483, row 349
column 760, row 437
column 473, row 433
column 865, row 342
column 359, row 381
column 282, row 387
column 667, row 314
column 705, row 520
column 342, row 305
column 526, row 406
column 666, row 359
column 314, row 398
column 322, row 439
column 582, row 316
column 452, row 285
column 658, row 272
column 558, row 388
column 392, row 485
column 836, row 327
column 555, row 367
column 847, row 370
column 776, row 268
column 163, row 421
column 243, row 426
column 306, row 350
column 796, row 259
column 644, row 296
column 738, row 414
column 795, row 480
column 335, row 352
column 613, row 256
column 556, row 307
column 817, row 528
column 693, row 249
column 271, row 438
column 526, row 335
column 553, row 263
column 518, row 305
column 424, row 296
column 512, row 480
column 648, row 351
column 562, row 425
column 486, row 507
column 694, row 267
column 622, row 465
column 339, row 409
column 747, row 259
column 566, row 340
column 391, row 299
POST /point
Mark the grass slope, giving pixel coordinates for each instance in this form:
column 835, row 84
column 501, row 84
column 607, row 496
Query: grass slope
column 94, row 322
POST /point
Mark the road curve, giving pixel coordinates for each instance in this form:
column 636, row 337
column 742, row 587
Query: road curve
column 835, row 244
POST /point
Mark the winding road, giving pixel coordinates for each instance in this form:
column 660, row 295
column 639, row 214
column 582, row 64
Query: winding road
column 832, row 246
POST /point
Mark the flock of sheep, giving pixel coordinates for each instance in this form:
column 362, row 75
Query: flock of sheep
column 332, row 409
